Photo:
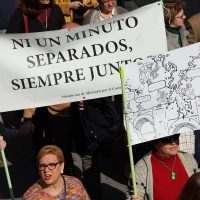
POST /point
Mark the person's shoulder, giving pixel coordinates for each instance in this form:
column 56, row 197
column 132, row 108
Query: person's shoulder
column 186, row 157
column 57, row 12
column 94, row 10
column 121, row 10
column 71, row 179
column 56, row 7
column 183, row 29
column 194, row 20
column 194, row 17
column 87, row 17
column 17, row 12
column 189, row 162
column 185, row 154
column 72, row 182
column 144, row 161
column 32, row 192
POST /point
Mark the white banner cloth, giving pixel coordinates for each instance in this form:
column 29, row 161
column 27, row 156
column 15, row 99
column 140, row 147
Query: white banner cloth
column 39, row 69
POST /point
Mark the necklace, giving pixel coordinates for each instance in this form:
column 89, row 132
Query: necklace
column 173, row 174
column 60, row 193
column 104, row 16
column 46, row 23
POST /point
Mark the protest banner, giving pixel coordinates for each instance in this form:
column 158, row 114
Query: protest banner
column 163, row 94
column 39, row 69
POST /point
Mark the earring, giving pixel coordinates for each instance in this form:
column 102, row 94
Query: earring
column 61, row 171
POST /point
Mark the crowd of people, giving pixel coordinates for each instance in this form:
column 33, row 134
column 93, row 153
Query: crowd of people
column 92, row 124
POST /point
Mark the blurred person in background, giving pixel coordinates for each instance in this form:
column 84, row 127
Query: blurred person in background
column 75, row 11
column 107, row 9
column 194, row 29
column 176, row 38
column 174, row 23
column 191, row 190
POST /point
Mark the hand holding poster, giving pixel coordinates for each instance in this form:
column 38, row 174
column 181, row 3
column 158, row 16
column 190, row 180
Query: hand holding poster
column 39, row 69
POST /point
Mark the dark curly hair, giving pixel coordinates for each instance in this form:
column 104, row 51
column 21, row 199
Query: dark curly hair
column 31, row 7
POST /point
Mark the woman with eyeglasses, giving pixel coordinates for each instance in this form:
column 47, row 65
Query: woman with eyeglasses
column 161, row 174
column 176, row 38
column 53, row 185
column 174, row 22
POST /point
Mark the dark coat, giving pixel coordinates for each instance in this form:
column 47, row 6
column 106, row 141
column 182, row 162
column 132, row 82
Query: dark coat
column 194, row 29
column 55, row 21
column 99, row 122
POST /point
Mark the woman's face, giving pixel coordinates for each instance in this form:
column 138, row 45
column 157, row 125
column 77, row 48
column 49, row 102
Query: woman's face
column 50, row 169
column 44, row 2
column 168, row 150
column 179, row 19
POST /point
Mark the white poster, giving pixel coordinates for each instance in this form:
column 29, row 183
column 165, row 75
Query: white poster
column 163, row 94
column 46, row 68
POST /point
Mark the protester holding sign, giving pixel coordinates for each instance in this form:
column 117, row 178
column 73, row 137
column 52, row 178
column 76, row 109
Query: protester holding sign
column 176, row 38
column 163, row 173
column 36, row 16
column 53, row 185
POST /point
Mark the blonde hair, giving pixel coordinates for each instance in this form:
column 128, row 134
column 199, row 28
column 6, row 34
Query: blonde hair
column 50, row 149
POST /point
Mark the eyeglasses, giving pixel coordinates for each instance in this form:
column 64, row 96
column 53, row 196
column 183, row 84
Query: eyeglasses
column 180, row 17
column 50, row 166
column 169, row 139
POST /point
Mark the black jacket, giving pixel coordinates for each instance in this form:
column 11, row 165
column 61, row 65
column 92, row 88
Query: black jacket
column 55, row 21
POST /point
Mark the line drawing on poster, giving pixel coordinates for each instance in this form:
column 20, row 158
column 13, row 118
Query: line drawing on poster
column 163, row 95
